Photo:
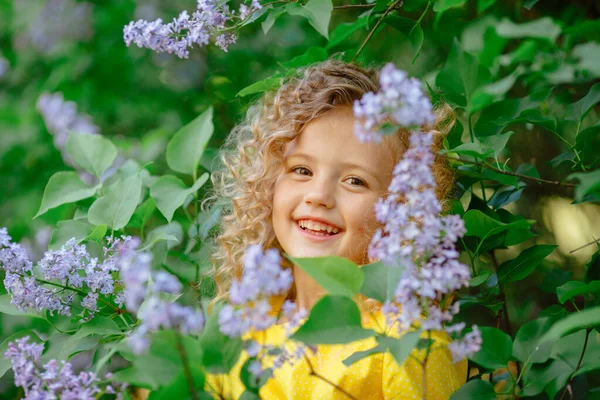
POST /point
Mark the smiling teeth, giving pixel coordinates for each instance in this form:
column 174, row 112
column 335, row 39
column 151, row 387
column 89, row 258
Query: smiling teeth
column 314, row 226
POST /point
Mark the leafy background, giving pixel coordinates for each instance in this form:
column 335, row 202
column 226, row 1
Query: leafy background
column 515, row 71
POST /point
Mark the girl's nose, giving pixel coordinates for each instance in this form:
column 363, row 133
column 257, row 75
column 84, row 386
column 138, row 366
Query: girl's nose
column 320, row 194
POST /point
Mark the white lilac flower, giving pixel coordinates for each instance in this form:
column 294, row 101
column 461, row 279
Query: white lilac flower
column 51, row 380
column 414, row 236
column 400, row 101
column 177, row 37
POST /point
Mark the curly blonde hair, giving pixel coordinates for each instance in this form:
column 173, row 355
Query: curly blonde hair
column 253, row 156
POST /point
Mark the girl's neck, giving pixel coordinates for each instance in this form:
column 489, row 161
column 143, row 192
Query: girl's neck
column 308, row 291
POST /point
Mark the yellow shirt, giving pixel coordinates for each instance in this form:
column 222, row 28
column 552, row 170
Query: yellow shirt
column 375, row 377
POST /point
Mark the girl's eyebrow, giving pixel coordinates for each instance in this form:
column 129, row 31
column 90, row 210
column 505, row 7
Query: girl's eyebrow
column 346, row 164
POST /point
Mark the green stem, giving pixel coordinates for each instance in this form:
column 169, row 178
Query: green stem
column 387, row 11
column 186, row 366
column 587, row 335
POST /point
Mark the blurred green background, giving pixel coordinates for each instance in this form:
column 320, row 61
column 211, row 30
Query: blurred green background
column 139, row 99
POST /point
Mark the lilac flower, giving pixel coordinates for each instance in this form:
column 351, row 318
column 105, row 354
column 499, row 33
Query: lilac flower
column 414, row 237
column 209, row 20
column 52, row 381
column 400, row 101
column 56, row 22
column 153, row 311
column 249, row 309
column 262, row 277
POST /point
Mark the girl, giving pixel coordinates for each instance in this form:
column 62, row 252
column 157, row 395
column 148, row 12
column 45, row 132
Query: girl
column 301, row 182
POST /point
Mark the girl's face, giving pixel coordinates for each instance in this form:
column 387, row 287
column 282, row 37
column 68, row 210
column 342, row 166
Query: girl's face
column 332, row 179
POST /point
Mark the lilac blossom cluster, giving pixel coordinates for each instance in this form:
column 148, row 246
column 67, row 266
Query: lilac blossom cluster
column 209, row 20
column 57, row 22
column 249, row 309
column 53, row 380
column 415, row 237
column 400, row 101
column 64, row 274
column 61, row 118
column 146, row 293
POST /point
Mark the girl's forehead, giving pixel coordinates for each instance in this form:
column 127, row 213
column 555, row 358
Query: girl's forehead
column 331, row 138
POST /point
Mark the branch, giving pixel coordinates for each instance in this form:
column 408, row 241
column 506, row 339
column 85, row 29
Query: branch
column 584, row 246
column 354, row 6
column 587, row 335
column 525, row 177
column 186, row 367
column 505, row 309
column 387, row 11
column 321, row 377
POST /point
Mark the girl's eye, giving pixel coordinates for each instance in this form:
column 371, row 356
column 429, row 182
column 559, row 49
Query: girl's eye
column 306, row 170
column 359, row 182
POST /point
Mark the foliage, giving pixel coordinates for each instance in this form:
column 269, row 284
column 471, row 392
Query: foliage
column 514, row 75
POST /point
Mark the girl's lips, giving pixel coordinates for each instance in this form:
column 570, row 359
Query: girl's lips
column 316, row 238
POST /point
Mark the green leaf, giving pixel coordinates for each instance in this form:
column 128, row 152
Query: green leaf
column 493, row 92
column 416, row 40
column 534, row 117
column 589, row 58
column 475, row 389
column 359, row 355
column 527, row 345
column 60, row 346
column 185, row 149
column 118, row 204
column 62, row 188
column 5, row 364
column 333, row 320
column 543, row 28
column 169, row 193
column 157, row 236
column 172, row 233
column 442, row 6
column 375, row 280
column 480, row 279
column 67, row 230
column 529, row 4
column 461, row 76
column 496, row 349
column 180, row 388
column 402, row 347
column 142, row 214
column 10, row 309
column 578, row 110
column 585, row 319
column 220, row 352
column 267, row 24
column 483, row 5
column 337, row 275
column 261, row 86
column 312, row 55
column 98, row 234
column 483, row 226
column 93, row 153
column 576, row 288
column 344, row 31
column 524, row 264
column 588, row 183
column 587, row 142
column 318, row 13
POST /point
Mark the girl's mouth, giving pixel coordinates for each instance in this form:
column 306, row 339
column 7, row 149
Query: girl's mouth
column 317, row 235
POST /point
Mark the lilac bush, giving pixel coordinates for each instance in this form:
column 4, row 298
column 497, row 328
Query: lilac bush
column 415, row 237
